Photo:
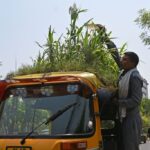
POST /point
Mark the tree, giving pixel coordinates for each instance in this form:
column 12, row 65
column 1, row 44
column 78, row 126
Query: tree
column 145, row 112
column 144, row 23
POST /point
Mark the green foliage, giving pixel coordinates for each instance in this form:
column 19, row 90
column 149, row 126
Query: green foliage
column 144, row 22
column 82, row 49
column 145, row 111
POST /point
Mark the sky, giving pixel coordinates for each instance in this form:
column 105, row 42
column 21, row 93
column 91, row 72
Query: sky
column 25, row 22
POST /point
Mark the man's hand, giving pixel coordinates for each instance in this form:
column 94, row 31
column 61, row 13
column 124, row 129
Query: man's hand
column 101, row 27
column 102, row 30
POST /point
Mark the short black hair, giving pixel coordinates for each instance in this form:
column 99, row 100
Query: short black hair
column 133, row 57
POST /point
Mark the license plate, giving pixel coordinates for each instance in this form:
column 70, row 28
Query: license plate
column 18, row 148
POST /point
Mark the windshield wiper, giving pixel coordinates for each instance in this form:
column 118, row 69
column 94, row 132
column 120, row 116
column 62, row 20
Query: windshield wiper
column 51, row 118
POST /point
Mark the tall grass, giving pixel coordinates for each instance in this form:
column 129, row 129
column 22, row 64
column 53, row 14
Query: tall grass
column 82, row 49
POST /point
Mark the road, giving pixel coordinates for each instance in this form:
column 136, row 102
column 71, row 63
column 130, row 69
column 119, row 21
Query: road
column 145, row 146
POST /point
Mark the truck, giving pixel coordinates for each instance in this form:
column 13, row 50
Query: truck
column 56, row 111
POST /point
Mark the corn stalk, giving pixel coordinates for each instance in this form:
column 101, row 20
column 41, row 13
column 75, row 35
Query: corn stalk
column 81, row 49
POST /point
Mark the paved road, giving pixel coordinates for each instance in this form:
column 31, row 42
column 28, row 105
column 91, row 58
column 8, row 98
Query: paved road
column 145, row 146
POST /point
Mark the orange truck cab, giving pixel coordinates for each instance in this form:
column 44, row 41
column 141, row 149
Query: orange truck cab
column 54, row 111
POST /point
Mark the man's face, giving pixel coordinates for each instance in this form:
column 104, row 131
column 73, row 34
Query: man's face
column 126, row 63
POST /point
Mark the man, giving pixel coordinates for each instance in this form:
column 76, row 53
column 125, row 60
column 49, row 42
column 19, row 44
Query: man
column 129, row 97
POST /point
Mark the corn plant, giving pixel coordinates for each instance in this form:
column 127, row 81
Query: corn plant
column 81, row 49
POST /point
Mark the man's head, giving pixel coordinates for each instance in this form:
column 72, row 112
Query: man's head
column 129, row 60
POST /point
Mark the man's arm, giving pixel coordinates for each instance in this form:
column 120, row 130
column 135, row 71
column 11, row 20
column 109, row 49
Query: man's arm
column 111, row 46
column 114, row 52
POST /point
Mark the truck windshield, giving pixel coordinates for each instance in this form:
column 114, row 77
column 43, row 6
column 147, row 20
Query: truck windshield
column 25, row 107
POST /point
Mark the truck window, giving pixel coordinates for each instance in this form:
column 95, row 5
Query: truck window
column 25, row 107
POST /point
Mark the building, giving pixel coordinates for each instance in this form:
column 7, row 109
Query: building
column 145, row 88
